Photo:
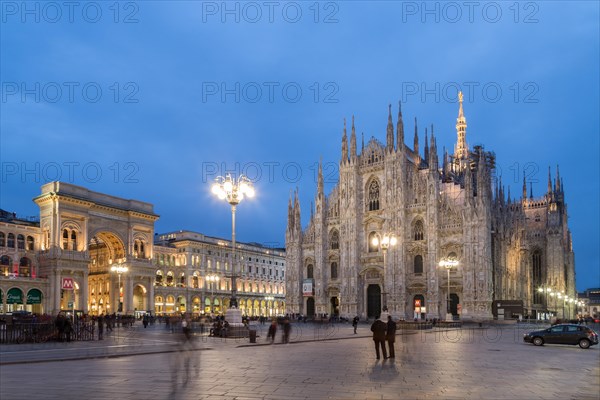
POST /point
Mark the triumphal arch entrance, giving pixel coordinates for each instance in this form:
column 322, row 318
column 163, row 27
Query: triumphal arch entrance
column 96, row 250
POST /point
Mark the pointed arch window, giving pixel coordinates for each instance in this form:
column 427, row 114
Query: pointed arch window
column 536, row 263
column 418, row 231
column 334, row 270
column 372, row 246
column 335, row 240
column 418, row 264
column 373, row 196
column 310, row 272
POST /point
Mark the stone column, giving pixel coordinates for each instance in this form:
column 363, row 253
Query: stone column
column 150, row 296
column 83, row 301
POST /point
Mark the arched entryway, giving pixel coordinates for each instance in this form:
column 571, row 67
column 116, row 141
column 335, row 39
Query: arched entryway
column 373, row 301
column 335, row 306
column 419, row 307
column 454, row 301
column 310, row 307
column 140, row 302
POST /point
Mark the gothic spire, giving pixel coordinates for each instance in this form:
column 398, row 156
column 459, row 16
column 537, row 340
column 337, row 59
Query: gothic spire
column 549, row 181
column 426, row 149
column 461, row 150
column 508, row 196
column 353, row 141
column 290, row 213
column 433, row 155
column 297, row 211
column 416, row 140
column 558, row 181
column 344, row 144
column 400, row 129
column 531, row 190
column 320, row 180
column 524, row 186
column 390, row 131
column 362, row 148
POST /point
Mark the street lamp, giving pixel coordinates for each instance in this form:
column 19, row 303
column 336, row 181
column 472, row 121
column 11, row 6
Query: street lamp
column 448, row 263
column 119, row 269
column 212, row 279
column 388, row 239
column 233, row 191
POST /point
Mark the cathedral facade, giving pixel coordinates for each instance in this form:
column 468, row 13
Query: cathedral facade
column 420, row 237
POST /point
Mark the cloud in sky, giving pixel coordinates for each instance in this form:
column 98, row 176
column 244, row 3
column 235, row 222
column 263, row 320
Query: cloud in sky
column 147, row 107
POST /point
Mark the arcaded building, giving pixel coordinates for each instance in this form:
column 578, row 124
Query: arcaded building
column 99, row 254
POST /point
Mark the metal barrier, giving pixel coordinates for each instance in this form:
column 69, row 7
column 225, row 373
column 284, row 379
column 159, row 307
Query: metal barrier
column 40, row 332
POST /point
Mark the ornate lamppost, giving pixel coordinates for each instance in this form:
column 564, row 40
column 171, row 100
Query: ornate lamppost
column 448, row 263
column 119, row 269
column 387, row 240
column 233, row 191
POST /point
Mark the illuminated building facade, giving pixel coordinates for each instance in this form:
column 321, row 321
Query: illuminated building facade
column 437, row 210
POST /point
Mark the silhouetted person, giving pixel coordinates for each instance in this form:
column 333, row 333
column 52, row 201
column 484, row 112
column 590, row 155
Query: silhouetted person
column 390, row 336
column 379, row 328
column 355, row 323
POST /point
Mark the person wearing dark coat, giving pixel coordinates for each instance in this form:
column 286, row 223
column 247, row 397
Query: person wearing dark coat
column 390, row 336
column 379, row 328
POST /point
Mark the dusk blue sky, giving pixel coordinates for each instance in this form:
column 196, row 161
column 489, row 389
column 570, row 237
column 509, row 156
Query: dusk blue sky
column 158, row 132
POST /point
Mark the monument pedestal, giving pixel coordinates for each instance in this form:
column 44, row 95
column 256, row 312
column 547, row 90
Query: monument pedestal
column 236, row 329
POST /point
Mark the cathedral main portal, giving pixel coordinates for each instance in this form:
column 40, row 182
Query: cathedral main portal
column 373, row 301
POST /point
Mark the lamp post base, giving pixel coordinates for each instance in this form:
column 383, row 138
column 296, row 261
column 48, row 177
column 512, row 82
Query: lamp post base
column 236, row 329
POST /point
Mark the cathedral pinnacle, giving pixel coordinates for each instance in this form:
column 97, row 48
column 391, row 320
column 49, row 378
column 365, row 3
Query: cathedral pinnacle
column 416, row 140
column 524, row 186
column 426, row 149
column 352, row 141
column 461, row 150
column 344, row 144
column 400, row 129
column 390, row 131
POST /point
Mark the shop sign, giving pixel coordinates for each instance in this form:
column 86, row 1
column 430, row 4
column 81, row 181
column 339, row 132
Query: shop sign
column 14, row 296
column 34, row 296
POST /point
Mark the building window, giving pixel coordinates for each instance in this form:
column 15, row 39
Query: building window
column 418, row 264
column 418, row 232
column 30, row 243
column 373, row 196
column 309, row 272
column 335, row 240
column 372, row 247
column 21, row 242
column 334, row 270
column 536, row 261
column 11, row 240
column 2, row 239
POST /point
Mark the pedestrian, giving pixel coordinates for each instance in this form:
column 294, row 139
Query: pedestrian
column 390, row 336
column 68, row 328
column 379, row 328
column 355, row 323
column 287, row 328
column 100, row 327
column 60, row 326
column 272, row 330
column 145, row 320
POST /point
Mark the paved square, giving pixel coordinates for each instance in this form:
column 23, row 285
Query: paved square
column 332, row 363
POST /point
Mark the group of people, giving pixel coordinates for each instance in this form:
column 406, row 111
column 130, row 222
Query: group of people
column 287, row 329
column 384, row 331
